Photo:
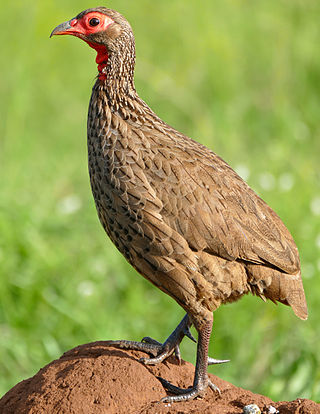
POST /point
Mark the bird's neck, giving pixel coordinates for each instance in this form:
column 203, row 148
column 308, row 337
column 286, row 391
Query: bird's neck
column 117, row 78
column 116, row 71
column 115, row 90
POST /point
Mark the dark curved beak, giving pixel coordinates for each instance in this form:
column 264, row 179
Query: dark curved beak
column 62, row 29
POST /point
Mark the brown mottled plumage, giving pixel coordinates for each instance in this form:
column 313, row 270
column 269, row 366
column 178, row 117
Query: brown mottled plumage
column 178, row 213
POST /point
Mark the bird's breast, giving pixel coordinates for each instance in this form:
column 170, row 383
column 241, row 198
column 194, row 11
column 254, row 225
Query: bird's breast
column 118, row 183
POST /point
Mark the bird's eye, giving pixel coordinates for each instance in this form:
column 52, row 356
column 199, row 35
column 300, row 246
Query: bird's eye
column 94, row 22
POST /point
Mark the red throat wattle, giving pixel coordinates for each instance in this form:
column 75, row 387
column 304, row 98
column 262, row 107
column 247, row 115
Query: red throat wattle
column 101, row 59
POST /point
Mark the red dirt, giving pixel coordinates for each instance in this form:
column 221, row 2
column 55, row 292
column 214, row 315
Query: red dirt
column 94, row 378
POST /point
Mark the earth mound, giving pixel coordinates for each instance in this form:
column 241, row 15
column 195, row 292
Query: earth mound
column 95, row 378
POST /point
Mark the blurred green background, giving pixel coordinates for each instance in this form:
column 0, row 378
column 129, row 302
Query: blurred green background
column 242, row 77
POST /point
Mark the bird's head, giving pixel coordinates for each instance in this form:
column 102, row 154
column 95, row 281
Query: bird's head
column 106, row 31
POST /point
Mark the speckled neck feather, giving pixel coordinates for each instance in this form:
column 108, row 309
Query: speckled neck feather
column 117, row 75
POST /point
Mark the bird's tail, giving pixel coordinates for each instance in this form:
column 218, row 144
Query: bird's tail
column 279, row 287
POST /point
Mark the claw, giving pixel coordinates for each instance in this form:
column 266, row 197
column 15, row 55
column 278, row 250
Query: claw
column 213, row 361
column 214, row 387
column 189, row 334
column 177, row 354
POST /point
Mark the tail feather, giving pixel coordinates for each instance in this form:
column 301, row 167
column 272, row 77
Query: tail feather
column 292, row 288
column 279, row 286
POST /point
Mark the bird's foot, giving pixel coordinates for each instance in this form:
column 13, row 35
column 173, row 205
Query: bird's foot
column 186, row 394
column 171, row 345
column 158, row 350
column 163, row 352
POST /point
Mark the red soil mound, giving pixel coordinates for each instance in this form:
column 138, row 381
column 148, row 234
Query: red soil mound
column 94, row 378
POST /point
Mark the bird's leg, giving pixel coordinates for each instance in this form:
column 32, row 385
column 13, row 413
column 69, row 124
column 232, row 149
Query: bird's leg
column 158, row 350
column 201, row 380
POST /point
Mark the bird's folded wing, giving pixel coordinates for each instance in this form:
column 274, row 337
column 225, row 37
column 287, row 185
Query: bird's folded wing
column 206, row 202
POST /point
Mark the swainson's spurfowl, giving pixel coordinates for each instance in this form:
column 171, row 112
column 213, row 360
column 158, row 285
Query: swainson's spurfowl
column 178, row 213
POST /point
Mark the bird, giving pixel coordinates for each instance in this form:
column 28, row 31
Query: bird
column 178, row 213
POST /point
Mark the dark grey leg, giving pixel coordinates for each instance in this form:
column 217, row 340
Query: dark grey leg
column 201, row 380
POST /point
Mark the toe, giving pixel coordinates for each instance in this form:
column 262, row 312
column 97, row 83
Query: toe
column 214, row 387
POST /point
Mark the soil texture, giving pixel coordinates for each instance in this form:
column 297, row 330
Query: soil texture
column 95, row 378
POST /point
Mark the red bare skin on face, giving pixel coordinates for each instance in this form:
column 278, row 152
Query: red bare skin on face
column 92, row 22
column 84, row 25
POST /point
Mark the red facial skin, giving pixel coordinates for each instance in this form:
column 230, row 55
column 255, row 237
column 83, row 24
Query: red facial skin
column 82, row 27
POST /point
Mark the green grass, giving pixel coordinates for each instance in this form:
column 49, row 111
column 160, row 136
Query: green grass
column 242, row 77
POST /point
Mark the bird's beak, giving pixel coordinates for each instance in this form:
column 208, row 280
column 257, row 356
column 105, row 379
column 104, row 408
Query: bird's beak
column 63, row 29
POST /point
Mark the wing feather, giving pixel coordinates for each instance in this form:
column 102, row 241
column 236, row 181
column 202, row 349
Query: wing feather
column 216, row 211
